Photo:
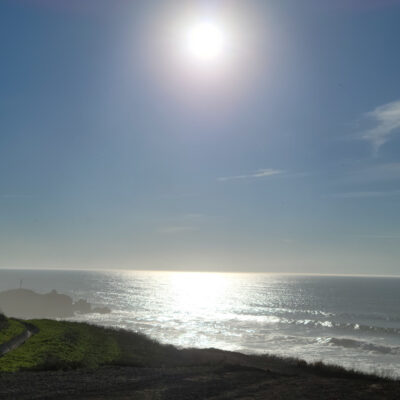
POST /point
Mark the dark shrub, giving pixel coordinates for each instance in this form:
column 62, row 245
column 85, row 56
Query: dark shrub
column 53, row 363
column 3, row 321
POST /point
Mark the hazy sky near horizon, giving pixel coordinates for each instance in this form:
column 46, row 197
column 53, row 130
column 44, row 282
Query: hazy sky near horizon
column 115, row 152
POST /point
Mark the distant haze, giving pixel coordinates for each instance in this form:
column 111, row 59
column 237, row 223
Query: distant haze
column 276, row 151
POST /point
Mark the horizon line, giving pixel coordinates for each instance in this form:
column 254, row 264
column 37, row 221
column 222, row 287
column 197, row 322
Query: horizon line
column 199, row 271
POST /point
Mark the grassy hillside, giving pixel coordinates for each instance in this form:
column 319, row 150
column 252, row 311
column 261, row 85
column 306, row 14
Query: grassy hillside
column 68, row 345
column 169, row 373
column 62, row 345
column 9, row 328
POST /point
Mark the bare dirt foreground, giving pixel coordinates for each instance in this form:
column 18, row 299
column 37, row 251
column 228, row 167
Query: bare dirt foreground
column 238, row 378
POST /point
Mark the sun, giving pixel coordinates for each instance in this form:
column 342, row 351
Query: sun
column 205, row 41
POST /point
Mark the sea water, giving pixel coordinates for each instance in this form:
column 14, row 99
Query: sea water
column 349, row 321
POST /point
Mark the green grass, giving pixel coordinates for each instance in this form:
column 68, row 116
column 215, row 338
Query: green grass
column 139, row 350
column 67, row 345
column 11, row 329
column 62, row 345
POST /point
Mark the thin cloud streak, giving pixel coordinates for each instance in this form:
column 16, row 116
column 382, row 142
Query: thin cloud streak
column 16, row 196
column 261, row 173
column 170, row 230
column 376, row 173
column 386, row 123
column 362, row 5
column 381, row 237
column 365, row 195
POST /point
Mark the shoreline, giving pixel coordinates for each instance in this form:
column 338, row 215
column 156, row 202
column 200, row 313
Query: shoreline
column 142, row 368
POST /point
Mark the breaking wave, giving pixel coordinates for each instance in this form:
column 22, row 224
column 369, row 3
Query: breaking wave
column 359, row 344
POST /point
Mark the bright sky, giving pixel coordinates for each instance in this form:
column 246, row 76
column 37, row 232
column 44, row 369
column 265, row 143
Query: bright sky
column 209, row 135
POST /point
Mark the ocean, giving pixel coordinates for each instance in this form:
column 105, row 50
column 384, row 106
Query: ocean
column 348, row 321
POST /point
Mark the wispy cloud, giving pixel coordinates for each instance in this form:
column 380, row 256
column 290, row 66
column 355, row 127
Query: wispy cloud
column 365, row 194
column 183, row 223
column 385, row 121
column 171, row 230
column 362, row 5
column 261, row 173
column 375, row 173
column 382, row 237
column 16, row 196
column 193, row 216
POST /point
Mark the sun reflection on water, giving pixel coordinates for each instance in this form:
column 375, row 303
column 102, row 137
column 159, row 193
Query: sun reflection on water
column 292, row 316
column 198, row 291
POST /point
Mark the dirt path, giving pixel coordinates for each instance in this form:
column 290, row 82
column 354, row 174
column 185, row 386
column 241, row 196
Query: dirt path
column 18, row 340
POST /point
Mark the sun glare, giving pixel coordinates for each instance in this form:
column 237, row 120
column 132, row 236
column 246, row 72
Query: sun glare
column 198, row 290
column 205, row 41
column 204, row 55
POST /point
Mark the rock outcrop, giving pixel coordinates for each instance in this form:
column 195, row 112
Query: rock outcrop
column 24, row 303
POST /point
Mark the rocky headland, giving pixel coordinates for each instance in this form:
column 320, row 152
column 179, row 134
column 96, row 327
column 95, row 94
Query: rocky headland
column 25, row 303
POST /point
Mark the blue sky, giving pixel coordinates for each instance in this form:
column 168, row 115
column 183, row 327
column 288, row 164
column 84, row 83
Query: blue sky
column 288, row 161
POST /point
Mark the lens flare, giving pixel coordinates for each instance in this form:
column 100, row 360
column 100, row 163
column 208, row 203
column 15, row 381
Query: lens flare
column 205, row 41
